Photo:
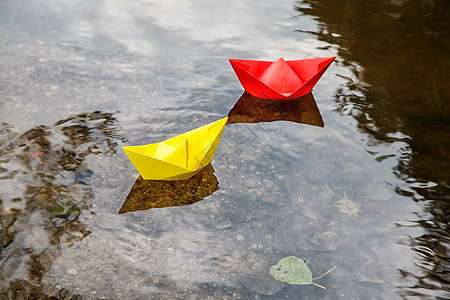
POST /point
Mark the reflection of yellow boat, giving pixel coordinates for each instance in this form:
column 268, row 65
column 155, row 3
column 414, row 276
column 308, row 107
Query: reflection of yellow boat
column 180, row 157
column 150, row 194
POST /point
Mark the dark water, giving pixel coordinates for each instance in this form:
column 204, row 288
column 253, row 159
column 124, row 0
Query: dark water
column 402, row 94
column 367, row 194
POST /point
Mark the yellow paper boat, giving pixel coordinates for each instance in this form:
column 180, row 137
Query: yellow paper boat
column 180, row 157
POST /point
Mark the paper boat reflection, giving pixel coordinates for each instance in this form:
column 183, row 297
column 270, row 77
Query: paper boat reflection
column 180, row 157
column 250, row 109
column 149, row 194
column 281, row 79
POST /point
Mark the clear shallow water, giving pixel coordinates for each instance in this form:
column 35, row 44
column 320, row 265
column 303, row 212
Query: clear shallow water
column 81, row 79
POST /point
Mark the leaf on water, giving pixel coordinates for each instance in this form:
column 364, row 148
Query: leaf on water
column 292, row 270
column 347, row 207
column 377, row 192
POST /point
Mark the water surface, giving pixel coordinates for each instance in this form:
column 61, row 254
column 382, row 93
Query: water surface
column 367, row 194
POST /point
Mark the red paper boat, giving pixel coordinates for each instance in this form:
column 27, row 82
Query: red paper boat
column 281, row 79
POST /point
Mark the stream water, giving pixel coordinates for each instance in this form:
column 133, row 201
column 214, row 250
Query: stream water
column 367, row 194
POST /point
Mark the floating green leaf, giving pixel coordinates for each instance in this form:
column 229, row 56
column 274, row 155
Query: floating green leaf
column 293, row 270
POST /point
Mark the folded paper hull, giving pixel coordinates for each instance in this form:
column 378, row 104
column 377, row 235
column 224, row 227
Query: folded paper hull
column 199, row 146
column 282, row 79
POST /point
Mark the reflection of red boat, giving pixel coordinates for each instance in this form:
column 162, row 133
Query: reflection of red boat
column 251, row 109
column 281, row 79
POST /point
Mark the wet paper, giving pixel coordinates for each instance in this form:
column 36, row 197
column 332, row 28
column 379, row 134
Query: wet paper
column 180, row 157
column 281, row 79
column 251, row 109
column 149, row 194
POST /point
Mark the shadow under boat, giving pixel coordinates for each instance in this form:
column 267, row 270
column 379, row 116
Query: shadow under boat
column 150, row 194
column 251, row 109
